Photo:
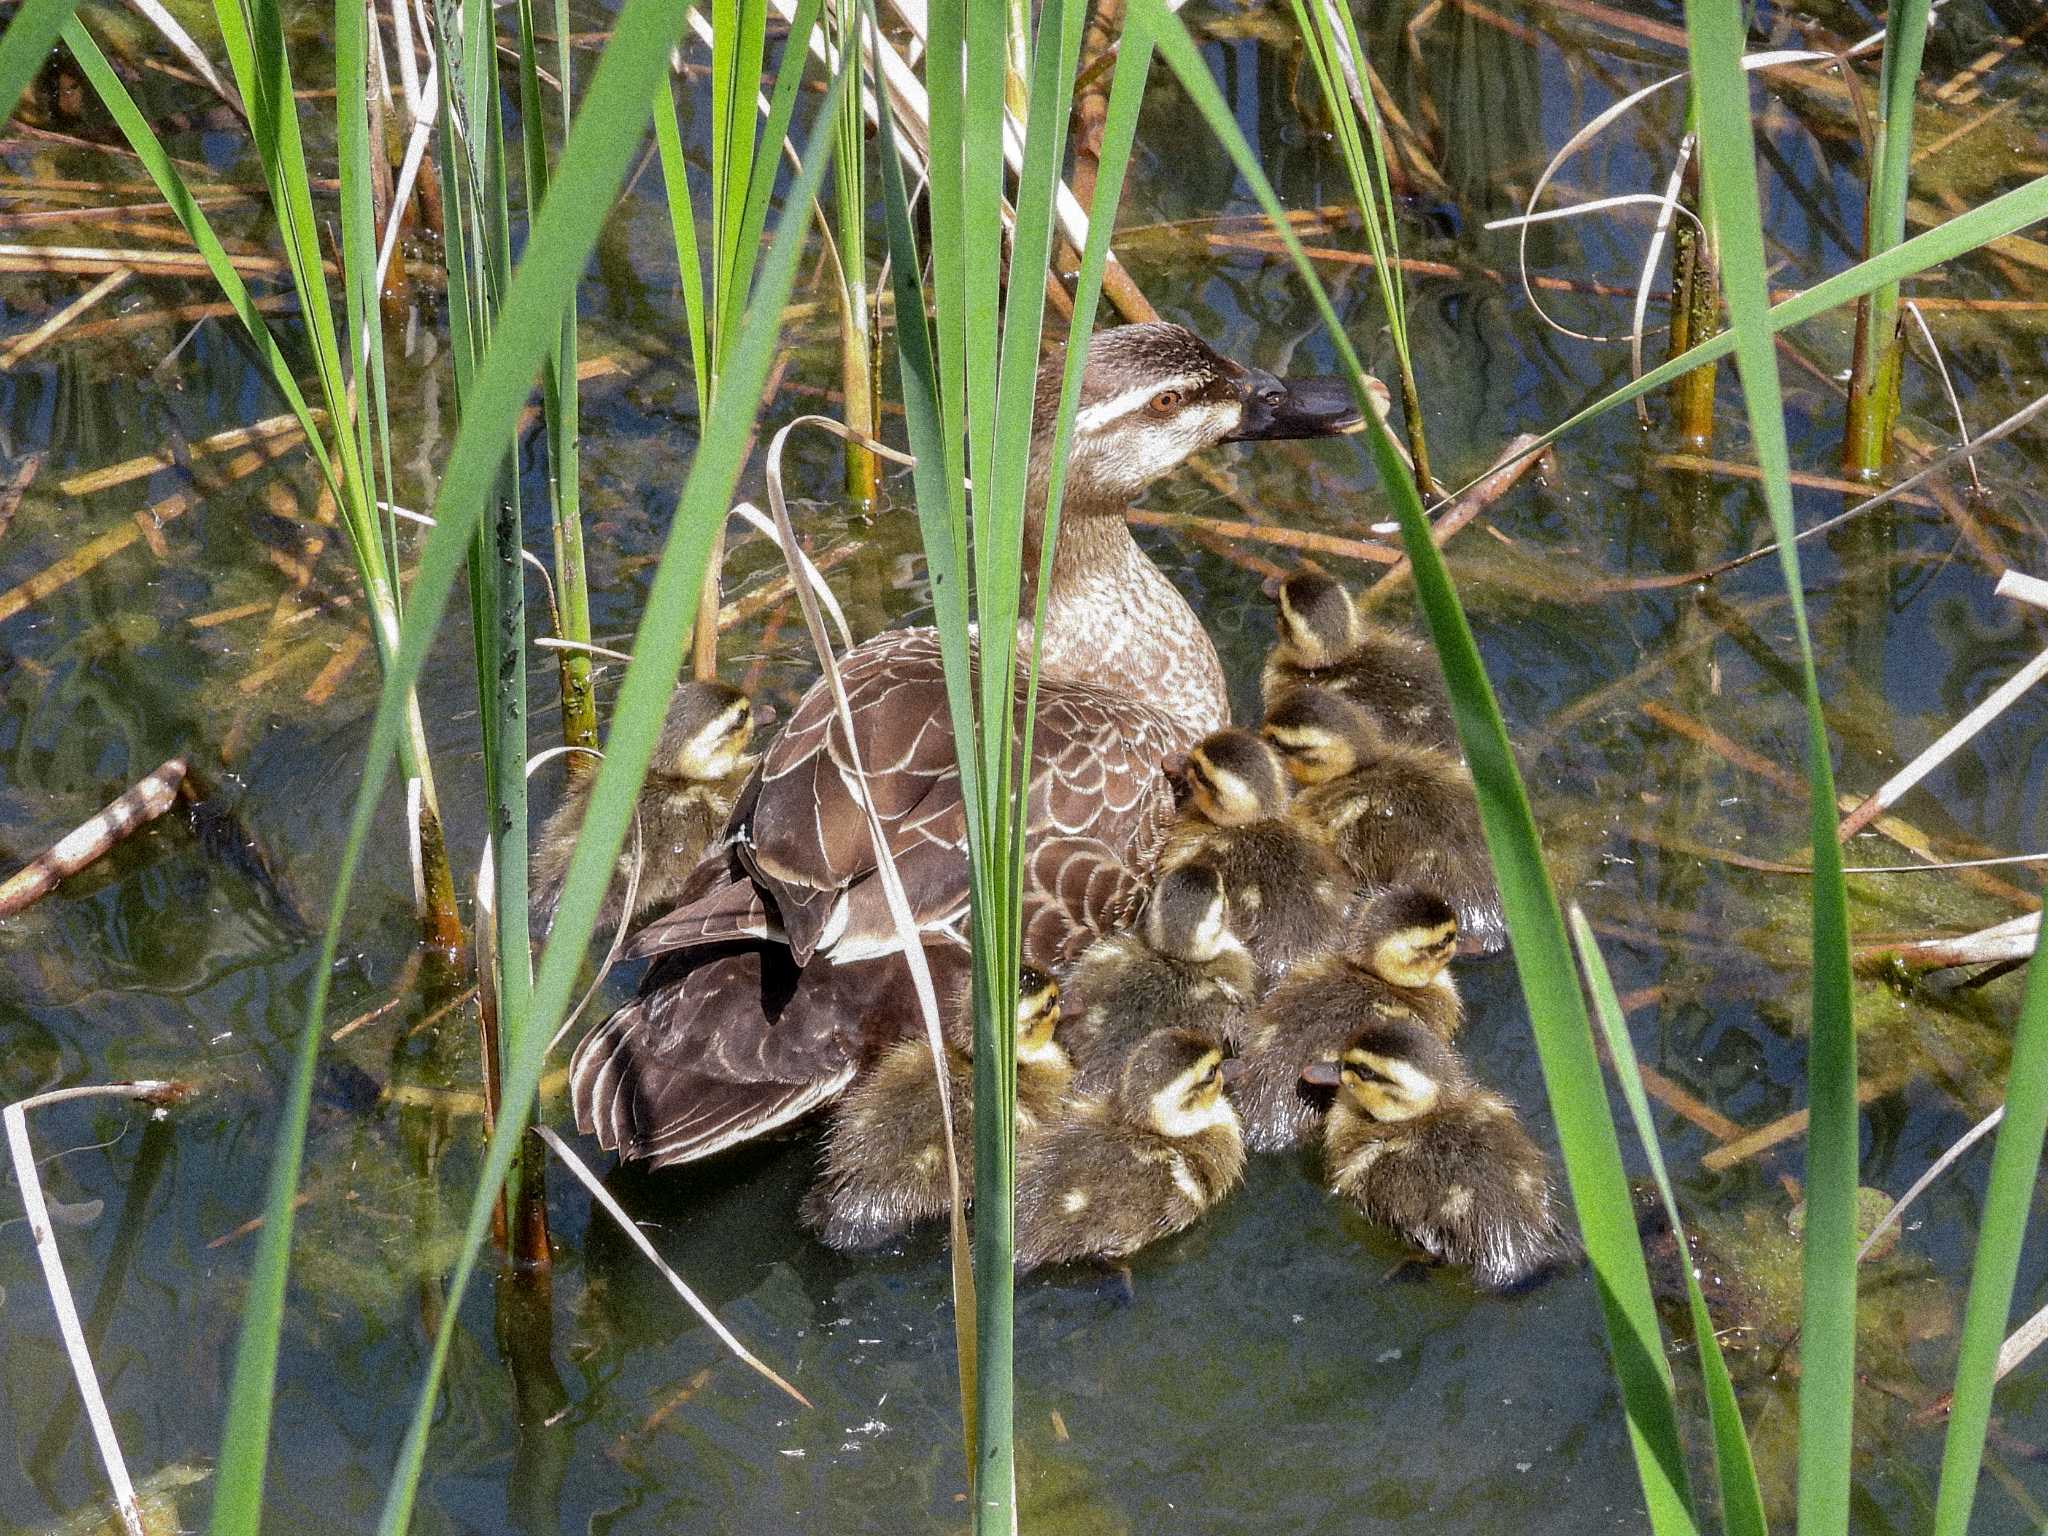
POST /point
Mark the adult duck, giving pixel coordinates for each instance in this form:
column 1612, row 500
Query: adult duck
column 781, row 976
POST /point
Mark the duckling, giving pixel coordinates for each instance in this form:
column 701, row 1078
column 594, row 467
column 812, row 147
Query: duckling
column 1393, row 966
column 700, row 762
column 1116, row 1171
column 1396, row 813
column 885, row 1157
column 1324, row 641
column 1287, row 893
column 1418, row 1146
column 1183, row 969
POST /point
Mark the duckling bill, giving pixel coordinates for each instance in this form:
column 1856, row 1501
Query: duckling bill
column 1112, row 1173
column 700, row 761
column 1416, row 1145
column 885, row 1156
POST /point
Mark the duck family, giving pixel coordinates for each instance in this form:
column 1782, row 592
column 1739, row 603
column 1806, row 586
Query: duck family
column 1233, row 938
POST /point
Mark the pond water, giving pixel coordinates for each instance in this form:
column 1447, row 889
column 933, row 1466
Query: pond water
column 1268, row 1370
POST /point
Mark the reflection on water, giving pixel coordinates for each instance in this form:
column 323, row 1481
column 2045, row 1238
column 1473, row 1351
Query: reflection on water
column 1277, row 1367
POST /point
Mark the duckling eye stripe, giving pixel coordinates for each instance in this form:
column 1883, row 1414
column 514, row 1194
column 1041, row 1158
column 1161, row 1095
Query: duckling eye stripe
column 1095, row 417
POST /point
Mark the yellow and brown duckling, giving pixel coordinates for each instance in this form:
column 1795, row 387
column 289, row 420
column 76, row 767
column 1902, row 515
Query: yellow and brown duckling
column 699, row 764
column 885, row 1155
column 1183, row 967
column 1325, row 642
column 1394, row 812
column 1393, row 966
column 1286, row 892
column 1113, row 1172
column 1418, row 1146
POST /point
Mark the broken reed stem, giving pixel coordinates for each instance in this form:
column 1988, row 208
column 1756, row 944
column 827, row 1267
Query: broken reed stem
column 141, row 804
column 155, row 1092
column 1514, row 461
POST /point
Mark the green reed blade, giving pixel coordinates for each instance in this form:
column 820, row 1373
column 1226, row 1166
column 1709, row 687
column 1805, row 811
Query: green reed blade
column 751, row 210
column 738, row 46
column 615, row 103
column 593, row 166
column 1742, row 1504
column 2002, row 215
column 1550, row 986
column 1827, row 1385
column 682, row 219
column 26, row 43
column 2015, row 1167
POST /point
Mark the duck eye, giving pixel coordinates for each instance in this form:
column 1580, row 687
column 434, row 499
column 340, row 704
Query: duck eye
column 1166, row 402
column 1272, row 396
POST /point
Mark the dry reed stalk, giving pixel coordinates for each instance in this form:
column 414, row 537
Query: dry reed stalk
column 1697, row 464
column 221, row 616
column 142, row 803
column 345, row 657
column 1265, row 533
column 174, row 315
column 277, row 432
column 2015, row 940
column 1271, row 245
column 94, row 260
column 23, row 345
column 1785, row 1127
column 780, row 589
column 1515, row 461
column 1967, row 84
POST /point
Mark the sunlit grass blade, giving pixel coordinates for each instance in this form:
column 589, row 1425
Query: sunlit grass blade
column 616, row 102
column 1827, row 1382
column 1742, row 1505
column 1543, row 957
column 593, row 165
column 2008, row 1200
column 682, row 218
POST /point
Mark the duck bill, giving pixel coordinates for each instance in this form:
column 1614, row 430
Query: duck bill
column 1277, row 409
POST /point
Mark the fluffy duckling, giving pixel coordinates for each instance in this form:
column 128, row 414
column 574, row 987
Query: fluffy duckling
column 1396, row 814
column 1325, row 642
column 1393, row 966
column 1183, row 968
column 700, row 761
column 1418, row 1146
column 1114, row 1172
column 885, row 1156
column 1287, row 893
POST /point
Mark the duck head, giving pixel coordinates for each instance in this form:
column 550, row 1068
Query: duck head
column 1319, row 625
column 1235, row 778
column 1321, row 735
column 1406, row 936
column 1153, row 395
column 1393, row 1070
column 1188, row 915
column 706, row 733
column 1173, row 1082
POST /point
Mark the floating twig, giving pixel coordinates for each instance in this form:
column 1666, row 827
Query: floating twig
column 276, row 433
column 1967, row 1140
column 1785, row 1127
column 160, row 1094
column 1515, row 461
column 148, row 799
column 21, row 346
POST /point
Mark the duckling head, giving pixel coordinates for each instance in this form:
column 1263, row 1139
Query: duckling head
column 1038, row 1016
column 1321, row 735
column 1396, row 1069
column 1406, row 936
column 1234, row 778
column 706, row 733
column 1318, row 620
column 1173, row 1081
column 1188, row 915
column 1152, row 395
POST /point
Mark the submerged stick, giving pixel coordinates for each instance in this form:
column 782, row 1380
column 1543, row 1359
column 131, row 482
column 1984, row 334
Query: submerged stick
column 21, row 346
column 148, row 799
column 17, row 487
column 156, row 1092
column 1514, row 461
column 1785, row 1127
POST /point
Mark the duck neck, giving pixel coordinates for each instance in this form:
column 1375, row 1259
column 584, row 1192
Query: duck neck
column 1114, row 620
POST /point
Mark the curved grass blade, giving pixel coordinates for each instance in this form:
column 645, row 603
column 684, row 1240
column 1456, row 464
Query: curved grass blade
column 1543, row 959
column 1742, row 1504
column 619, row 92
column 593, row 166
column 1827, row 1383
column 2015, row 1165
column 26, row 43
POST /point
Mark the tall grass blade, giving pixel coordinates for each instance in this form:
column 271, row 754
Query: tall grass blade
column 1543, row 958
column 1827, row 1385
column 2015, row 1167
column 593, row 165
column 615, row 104
column 1742, row 1504
column 26, row 44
